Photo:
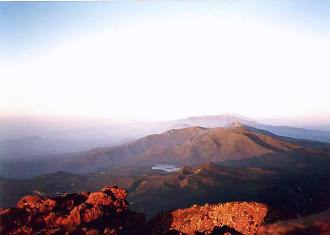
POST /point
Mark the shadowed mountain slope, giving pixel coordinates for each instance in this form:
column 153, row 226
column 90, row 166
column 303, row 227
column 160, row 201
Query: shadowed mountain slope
column 304, row 189
column 187, row 146
column 317, row 224
column 191, row 146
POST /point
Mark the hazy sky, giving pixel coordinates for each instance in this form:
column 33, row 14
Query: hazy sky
column 164, row 60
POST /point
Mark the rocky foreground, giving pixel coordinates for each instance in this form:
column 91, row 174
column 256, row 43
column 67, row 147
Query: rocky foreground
column 107, row 212
column 233, row 217
column 104, row 212
column 310, row 225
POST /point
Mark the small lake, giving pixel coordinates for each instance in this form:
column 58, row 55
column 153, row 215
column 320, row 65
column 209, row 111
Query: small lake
column 165, row 167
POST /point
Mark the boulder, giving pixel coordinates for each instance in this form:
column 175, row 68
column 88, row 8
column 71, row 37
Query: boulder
column 102, row 212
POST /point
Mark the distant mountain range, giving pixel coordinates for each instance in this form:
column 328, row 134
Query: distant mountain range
column 183, row 147
column 225, row 120
column 190, row 146
column 37, row 147
column 74, row 140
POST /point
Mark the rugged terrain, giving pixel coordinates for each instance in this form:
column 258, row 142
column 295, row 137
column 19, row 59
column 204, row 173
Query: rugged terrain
column 217, row 165
column 233, row 217
column 33, row 137
column 304, row 189
column 107, row 212
column 184, row 147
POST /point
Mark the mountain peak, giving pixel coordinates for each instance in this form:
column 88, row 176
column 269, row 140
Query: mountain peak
column 185, row 130
column 235, row 124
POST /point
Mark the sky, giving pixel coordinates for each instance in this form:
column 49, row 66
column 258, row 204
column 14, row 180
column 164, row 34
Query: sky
column 160, row 60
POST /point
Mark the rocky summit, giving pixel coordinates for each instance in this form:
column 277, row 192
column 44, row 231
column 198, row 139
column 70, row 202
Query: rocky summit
column 103, row 212
column 230, row 218
column 107, row 212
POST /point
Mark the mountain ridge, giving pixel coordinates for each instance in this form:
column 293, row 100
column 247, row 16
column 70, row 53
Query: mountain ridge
column 188, row 146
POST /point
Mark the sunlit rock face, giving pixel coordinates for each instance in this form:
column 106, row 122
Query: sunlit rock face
column 229, row 218
column 102, row 212
column 106, row 212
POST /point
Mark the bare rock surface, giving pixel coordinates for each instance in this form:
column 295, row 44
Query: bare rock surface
column 106, row 212
column 103, row 212
column 232, row 217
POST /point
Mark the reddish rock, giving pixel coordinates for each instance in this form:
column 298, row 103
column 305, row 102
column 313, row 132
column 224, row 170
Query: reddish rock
column 233, row 217
column 119, row 193
column 99, row 199
column 65, row 203
column 12, row 218
column 103, row 212
column 106, row 212
column 35, row 203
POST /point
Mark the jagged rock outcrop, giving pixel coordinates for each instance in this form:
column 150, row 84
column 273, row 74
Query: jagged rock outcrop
column 106, row 212
column 233, row 218
column 103, row 212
